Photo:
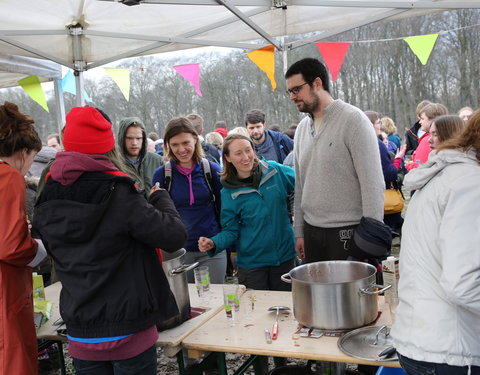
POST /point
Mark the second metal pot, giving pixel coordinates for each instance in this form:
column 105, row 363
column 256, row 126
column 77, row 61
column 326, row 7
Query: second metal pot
column 176, row 273
column 334, row 294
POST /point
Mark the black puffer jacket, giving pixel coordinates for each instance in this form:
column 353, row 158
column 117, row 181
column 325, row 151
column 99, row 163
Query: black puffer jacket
column 102, row 235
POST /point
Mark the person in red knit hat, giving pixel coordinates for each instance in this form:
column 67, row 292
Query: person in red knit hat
column 102, row 234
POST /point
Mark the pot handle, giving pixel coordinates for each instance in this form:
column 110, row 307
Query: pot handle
column 367, row 290
column 183, row 268
column 286, row 278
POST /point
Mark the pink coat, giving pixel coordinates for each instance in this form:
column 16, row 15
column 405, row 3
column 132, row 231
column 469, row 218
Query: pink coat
column 420, row 155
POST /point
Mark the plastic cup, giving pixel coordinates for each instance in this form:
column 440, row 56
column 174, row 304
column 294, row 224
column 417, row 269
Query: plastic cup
column 202, row 280
column 233, row 280
column 230, row 301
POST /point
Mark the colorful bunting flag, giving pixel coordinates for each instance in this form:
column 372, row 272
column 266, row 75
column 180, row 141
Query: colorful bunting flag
column 33, row 88
column 69, row 85
column 122, row 78
column 333, row 54
column 191, row 72
column 264, row 58
column 422, row 45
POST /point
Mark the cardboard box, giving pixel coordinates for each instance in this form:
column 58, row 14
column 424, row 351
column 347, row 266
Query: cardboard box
column 391, row 274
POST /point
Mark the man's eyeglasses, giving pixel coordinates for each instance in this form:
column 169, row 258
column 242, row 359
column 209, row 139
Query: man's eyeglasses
column 295, row 90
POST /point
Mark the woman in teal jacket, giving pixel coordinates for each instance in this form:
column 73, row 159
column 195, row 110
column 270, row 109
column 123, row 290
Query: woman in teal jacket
column 254, row 216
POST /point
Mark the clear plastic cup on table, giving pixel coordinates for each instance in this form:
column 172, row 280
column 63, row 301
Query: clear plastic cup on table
column 248, row 305
column 234, row 280
column 231, row 301
column 202, row 282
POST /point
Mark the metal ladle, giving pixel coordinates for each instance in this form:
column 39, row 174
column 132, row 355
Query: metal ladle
column 275, row 325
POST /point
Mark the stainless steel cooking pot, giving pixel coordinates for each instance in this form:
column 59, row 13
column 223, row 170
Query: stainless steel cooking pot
column 176, row 273
column 334, row 294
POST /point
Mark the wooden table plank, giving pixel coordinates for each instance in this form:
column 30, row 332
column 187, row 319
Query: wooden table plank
column 247, row 337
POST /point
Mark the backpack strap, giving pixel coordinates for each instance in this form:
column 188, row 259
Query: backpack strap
column 207, row 171
column 167, row 178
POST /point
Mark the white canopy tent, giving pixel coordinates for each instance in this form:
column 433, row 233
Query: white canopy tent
column 15, row 68
column 84, row 34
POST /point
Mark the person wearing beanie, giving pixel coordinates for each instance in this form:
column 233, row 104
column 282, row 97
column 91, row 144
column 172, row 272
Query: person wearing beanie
column 222, row 131
column 132, row 142
column 102, row 235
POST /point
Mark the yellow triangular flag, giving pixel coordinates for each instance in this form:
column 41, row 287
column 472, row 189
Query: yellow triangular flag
column 264, row 58
column 33, row 88
column 122, row 78
column 422, row 45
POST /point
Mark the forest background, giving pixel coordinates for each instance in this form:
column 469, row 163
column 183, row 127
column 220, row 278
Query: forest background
column 379, row 73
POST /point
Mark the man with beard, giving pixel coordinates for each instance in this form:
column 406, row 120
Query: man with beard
column 338, row 174
column 269, row 144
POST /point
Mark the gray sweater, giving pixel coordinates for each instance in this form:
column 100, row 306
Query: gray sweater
column 338, row 172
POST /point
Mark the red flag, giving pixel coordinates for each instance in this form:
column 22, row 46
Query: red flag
column 333, row 54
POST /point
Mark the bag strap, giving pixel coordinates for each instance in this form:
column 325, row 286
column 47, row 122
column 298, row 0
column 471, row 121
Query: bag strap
column 167, row 178
column 207, row 172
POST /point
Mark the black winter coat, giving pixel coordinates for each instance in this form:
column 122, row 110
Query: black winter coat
column 102, row 235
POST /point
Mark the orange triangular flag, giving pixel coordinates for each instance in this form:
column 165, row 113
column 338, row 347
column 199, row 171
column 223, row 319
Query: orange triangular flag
column 333, row 54
column 264, row 58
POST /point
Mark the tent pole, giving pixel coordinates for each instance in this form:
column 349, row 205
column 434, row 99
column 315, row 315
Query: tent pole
column 76, row 32
column 60, row 104
column 80, row 88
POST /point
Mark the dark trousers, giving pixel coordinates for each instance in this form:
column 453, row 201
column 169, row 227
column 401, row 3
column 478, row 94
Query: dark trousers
column 143, row 364
column 323, row 244
column 266, row 278
column 413, row 367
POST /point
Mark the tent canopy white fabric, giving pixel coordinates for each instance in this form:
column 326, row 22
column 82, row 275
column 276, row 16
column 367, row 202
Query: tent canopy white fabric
column 15, row 68
column 83, row 34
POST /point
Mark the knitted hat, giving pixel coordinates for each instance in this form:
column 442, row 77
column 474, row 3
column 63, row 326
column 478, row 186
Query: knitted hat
column 87, row 132
column 222, row 131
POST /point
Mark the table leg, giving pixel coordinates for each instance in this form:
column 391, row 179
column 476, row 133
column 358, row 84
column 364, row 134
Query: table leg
column 222, row 363
column 251, row 360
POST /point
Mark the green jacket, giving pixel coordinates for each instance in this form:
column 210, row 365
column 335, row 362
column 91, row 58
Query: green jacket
column 257, row 221
column 149, row 161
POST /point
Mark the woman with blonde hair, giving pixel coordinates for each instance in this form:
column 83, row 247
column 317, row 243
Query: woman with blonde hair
column 19, row 143
column 389, row 126
column 240, row 130
column 439, row 290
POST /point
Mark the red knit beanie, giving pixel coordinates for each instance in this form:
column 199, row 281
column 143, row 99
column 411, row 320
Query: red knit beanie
column 222, row 131
column 87, row 132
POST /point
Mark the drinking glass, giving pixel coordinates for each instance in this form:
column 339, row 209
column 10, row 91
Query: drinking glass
column 202, row 280
column 231, row 302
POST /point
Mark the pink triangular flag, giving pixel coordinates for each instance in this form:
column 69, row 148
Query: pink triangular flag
column 333, row 55
column 191, row 72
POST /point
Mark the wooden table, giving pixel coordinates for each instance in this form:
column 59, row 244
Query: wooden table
column 248, row 336
column 170, row 340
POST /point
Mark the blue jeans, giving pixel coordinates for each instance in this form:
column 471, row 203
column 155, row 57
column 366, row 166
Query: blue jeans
column 413, row 367
column 143, row 364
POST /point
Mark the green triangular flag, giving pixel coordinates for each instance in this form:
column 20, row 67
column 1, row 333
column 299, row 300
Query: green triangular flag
column 422, row 45
column 33, row 88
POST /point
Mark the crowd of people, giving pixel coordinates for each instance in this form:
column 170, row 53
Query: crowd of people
column 253, row 201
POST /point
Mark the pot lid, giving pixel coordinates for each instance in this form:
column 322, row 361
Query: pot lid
column 367, row 343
